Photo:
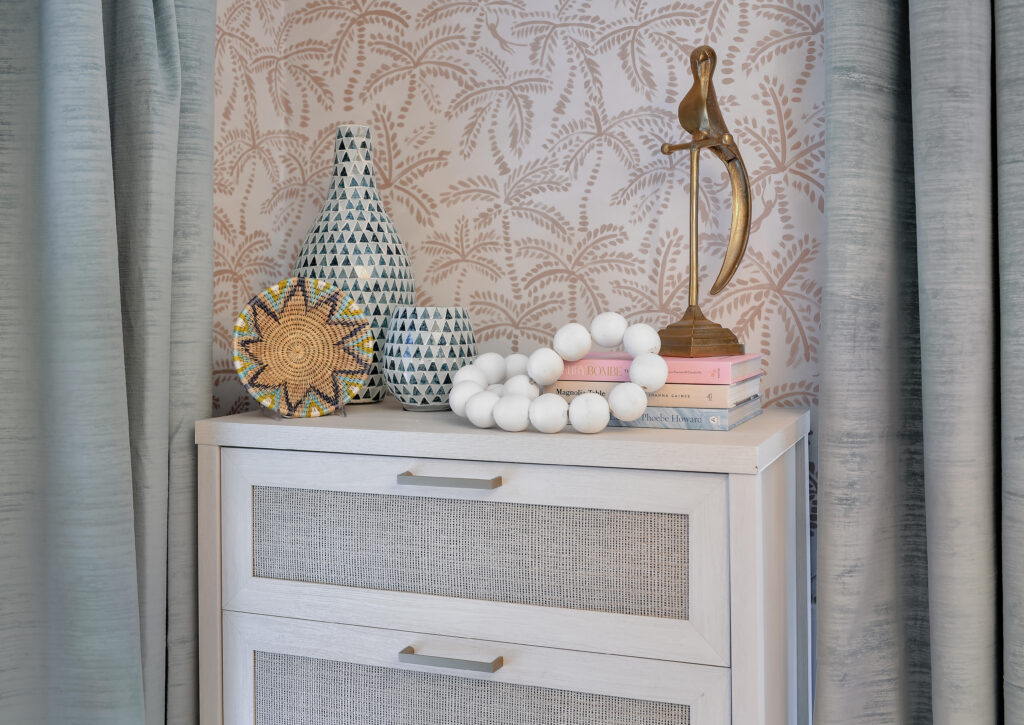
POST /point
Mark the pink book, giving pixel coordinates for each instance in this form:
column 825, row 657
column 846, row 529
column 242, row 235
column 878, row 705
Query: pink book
column 614, row 366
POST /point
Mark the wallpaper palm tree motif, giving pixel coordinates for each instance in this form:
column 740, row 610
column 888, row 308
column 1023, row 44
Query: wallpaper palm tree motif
column 519, row 159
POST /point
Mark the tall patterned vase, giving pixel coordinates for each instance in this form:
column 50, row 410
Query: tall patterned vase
column 354, row 244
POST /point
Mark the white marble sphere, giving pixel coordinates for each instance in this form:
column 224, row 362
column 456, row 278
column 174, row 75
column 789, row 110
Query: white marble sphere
column 640, row 338
column 492, row 365
column 545, row 366
column 572, row 341
column 480, row 409
column 628, row 401
column 515, row 364
column 523, row 386
column 512, row 413
column 607, row 329
column 649, row 371
column 549, row 413
column 461, row 393
column 472, row 373
column 589, row 413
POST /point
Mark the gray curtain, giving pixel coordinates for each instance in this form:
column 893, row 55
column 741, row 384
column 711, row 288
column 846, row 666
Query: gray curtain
column 921, row 515
column 106, row 136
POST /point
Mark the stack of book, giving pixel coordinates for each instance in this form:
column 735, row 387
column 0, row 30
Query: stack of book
column 709, row 393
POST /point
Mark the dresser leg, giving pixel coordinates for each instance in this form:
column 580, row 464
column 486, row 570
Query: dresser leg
column 768, row 592
column 210, row 659
column 803, row 641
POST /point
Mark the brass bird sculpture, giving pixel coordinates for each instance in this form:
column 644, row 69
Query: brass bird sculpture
column 694, row 335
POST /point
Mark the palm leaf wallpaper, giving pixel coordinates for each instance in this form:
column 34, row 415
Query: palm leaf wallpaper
column 516, row 146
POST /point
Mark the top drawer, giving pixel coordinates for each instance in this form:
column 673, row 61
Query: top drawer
column 604, row 560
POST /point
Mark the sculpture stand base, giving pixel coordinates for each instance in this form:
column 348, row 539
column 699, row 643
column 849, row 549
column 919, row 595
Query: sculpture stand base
column 696, row 336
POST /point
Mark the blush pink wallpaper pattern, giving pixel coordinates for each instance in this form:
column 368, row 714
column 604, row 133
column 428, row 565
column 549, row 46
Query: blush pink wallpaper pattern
column 517, row 150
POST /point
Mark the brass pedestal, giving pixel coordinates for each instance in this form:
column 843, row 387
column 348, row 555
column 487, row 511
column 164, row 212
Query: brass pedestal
column 696, row 336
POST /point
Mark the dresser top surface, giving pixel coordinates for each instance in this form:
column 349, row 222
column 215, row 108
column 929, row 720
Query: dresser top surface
column 386, row 429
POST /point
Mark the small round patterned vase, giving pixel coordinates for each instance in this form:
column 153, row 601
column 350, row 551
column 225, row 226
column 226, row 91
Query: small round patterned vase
column 354, row 245
column 423, row 349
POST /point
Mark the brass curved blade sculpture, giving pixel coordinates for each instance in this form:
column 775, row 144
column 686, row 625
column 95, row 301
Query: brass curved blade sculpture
column 694, row 335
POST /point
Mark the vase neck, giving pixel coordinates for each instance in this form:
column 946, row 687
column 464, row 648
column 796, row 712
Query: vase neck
column 354, row 171
column 353, row 157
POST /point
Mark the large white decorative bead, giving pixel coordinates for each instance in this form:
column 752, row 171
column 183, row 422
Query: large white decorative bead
column 607, row 329
column 470, row 372
column 640, row 338
column 588, row 413
column 512, row 413
column 628, row 401
column 545, row 366
column 521, row 385
column 515, row 364
column 549, row 413
column 572, row 341
column 497, row 388
column 493, row 366
column 649, row 371
column 480, row 409
column 460, row 393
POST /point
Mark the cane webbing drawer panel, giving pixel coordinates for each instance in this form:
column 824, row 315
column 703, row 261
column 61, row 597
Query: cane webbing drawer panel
column 623, row 562
column 296, row 690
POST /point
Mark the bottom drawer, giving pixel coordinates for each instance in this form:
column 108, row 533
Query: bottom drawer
column 281, row 671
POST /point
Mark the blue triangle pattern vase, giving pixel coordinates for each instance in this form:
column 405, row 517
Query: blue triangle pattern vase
column 353, row 243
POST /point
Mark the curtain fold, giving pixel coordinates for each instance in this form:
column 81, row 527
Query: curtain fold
column 920, row 365
column 872, row 651
column 1009, row 105
column 109, row 154
column 951, row 60
column 191, row 347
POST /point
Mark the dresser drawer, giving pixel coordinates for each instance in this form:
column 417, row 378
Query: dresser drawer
column 279, row 671
column 628, row 562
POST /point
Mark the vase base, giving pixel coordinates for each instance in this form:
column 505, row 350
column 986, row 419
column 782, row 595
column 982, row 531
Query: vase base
column 426, row 408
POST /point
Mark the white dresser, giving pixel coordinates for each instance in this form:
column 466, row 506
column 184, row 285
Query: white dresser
column 401, row 568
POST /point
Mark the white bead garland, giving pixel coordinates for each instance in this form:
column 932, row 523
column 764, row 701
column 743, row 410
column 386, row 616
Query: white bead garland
column 641, row 338
column 589, row 413
column 572, row 341
column 608, row 329
column 460, row 394
column 515, row 364
column 628, row 401
column 649, row 371
column 549, row 413
column 470, row 373
column 545, row 366
column 492, row 365
column 480, row 408
column 512, row 413
column 521, row 385
column 505, row 391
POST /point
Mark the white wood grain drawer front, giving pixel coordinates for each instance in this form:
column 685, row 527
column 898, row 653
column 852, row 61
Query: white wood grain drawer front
column 626, row 562
column 280, row 671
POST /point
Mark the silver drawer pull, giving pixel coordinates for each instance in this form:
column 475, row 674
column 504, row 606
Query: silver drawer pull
column 408, row 479
column 409, row 656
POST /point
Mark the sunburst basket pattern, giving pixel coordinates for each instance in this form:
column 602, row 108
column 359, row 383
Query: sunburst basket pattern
column 302, row 348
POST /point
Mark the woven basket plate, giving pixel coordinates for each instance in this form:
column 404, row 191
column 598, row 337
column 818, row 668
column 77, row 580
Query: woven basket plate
column 302, row 347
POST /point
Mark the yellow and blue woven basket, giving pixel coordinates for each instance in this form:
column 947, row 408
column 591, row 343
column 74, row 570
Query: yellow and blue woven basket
column 302, row 347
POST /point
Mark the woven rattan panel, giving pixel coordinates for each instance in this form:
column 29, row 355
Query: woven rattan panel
column 292, row 690
column 626, row 562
